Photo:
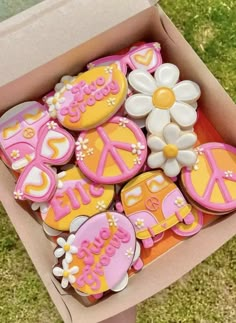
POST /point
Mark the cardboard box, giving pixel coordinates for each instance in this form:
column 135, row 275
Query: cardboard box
column 49, row 49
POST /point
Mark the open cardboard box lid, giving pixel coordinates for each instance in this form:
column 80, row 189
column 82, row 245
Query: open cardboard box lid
column 45, row 37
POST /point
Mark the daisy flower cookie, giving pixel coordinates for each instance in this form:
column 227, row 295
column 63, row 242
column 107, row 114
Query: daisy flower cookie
column 172, row 151
column 162, row 99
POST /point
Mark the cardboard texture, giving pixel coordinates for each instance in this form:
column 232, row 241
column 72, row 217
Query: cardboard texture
column 151, row 25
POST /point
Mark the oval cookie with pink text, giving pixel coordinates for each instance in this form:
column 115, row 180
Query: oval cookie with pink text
column 98, row 255
column 212, row 181
column 76, row 196
column 111, row 153
column 89, row 99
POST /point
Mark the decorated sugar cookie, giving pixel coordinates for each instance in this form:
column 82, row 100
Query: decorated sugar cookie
column 161, row 99
column 31, row 142
column 111, row 153
column 212, row 180
column 172, row 151
column 76, row 196
column 97, row 256
column 145, row 56
column 89, row 99
column 154, row 204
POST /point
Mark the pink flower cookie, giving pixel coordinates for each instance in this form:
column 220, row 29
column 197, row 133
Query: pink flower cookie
column 32, row 142
column 89, row 99
column 76, row 196
column 161, row 99
column 146, row 57
column 91, row 254
column 172, row 151
column 211, row 182
column 111, row 153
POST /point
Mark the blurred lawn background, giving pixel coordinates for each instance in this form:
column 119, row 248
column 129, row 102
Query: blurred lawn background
column 208, row 292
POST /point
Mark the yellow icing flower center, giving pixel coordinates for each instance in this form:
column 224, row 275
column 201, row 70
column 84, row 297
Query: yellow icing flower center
column 163, row 98
column 66, row 273
column 66, row 247
column 170, row 151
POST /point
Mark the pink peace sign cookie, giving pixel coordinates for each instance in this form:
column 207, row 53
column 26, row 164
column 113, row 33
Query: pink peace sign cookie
column 112, row 153
column 212, row 180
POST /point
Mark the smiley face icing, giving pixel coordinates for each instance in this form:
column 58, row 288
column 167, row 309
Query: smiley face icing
column 89, row 99
column 161, row 99
column 172, row 151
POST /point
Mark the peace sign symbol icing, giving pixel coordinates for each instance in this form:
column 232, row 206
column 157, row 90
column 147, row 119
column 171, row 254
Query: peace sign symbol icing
column 111, row 153
column 212, row 181
column 89, row 99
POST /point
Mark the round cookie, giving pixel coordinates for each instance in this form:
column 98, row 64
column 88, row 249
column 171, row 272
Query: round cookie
column 211, row 183
column 112, row 153
column 76, row 196
column 90, row 98
column 100, row 253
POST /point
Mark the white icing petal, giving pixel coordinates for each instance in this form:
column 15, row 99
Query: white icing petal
column 72, row 279
column 186, row 141
column 171, row 167
column 73, row 249
column 183, row 114
column 194, row 105
column 142, row 82
column 156, row 160
column 57, row 271
column 61, row 242
column 74, row 270
column 64, row 282
column 65, row 264
column 171, row 133
column 59, row 252
column 167, row 75
column 68, row 257
column 187, row 91
column 70, row 239
column 138, row 105
column 186, row 157
column 155, row 143
column 157, row 120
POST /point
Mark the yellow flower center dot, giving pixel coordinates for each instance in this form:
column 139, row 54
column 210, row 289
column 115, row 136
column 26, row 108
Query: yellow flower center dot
column 66, row 247
column 54, row 101
column 163, row 98
column 170, row 151
column 66, row 274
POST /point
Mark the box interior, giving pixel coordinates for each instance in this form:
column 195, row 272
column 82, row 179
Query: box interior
column 150, row 25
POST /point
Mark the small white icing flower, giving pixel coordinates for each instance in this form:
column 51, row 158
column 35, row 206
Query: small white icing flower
column 90, row 66
column 66, row 248
column 51, row 125
column 108, row 69
column 113, row 221
column 228, row 173
column 80, row 155
column 137, row 161
column 18, row 195
column 157, row 45
column 161, row 99
column 173, row 151
column 179, row 201
column 199, row 150
column 90, row 151
column 136, row 148
column 123, row 122
column 139, row 223
column 81, row 144
column 54, row 104
column 66, row 273
column 101, row 206
column 111, row 101
column 129, row 252
column 15, row 153
column 64, row 84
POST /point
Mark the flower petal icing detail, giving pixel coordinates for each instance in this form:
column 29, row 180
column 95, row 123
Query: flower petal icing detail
column 187, row 91
column 183, row 114
column 142, row 82
column 157, row 120
column 167, row 75
column 138, row 105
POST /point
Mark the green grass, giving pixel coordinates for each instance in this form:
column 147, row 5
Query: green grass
column 208, row 293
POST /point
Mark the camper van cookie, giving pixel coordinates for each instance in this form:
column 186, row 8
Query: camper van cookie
column 32, row 143
column 211, row 182
column 76, row 196
column 154, row 204
column 100, row 253
column 161, row 99
column 172, row 151
column 89, row 99
column 111, row 153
